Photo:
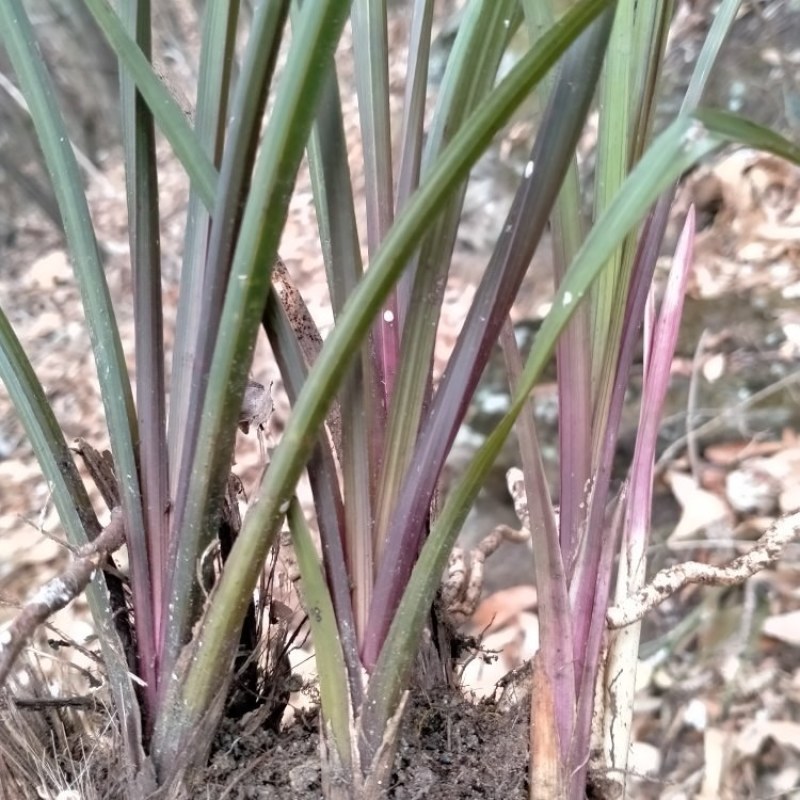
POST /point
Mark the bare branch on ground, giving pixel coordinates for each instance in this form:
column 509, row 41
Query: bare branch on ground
column 671, row 580
column 58, row 592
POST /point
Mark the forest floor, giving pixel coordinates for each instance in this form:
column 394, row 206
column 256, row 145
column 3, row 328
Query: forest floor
column 718, row 706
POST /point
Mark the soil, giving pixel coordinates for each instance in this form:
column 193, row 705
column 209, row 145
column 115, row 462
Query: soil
column 446, row 749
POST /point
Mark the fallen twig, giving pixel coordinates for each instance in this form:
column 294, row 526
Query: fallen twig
column 668, row 581
column 58, row 592
column 87, row 701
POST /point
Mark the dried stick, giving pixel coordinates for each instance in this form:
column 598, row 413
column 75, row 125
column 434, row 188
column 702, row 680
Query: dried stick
column 59, row 592
column 308, row 337
column 668, row 581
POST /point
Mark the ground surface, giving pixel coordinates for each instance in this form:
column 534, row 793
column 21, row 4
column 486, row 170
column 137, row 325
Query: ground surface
column 718, row 714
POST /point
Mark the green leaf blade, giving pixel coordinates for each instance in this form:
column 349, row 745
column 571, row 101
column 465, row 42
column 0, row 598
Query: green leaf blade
column 264, row 516
column 115, row 386
column 166, row 111
column 77, row 516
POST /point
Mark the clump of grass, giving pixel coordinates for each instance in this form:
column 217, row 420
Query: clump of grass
column 367, row 424
column 58, row 747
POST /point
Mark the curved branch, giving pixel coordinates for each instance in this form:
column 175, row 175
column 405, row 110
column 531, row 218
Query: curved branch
column 671, row 580
column 58, row 592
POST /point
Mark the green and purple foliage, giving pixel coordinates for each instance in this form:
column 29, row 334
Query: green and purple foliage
column 372, row 583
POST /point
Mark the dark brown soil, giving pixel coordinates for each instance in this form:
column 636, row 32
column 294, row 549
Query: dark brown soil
column 449, row 749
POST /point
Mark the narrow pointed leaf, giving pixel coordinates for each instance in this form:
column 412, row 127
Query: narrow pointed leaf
column 341, row 251
column 77, row 516
column 172, row 121
column 144, row 237
column 221, row 622
column 526, row 221
column 472, row 66
column 233, row 188
column 682, row 145
column 314, row 37
column 333, row 689
column 323, row 477
column 213, row 89
column 371, row 55
column 17, row 33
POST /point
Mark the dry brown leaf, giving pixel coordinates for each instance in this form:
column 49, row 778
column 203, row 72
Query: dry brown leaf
column 782, row 732
column 728, row 454
column 500, row 608
column 50, row 270
column 513, row 645
column 701, row 509
column 785, row 466
column 784, row 627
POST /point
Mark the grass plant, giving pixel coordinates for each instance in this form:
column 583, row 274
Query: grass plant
column 368, row 424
